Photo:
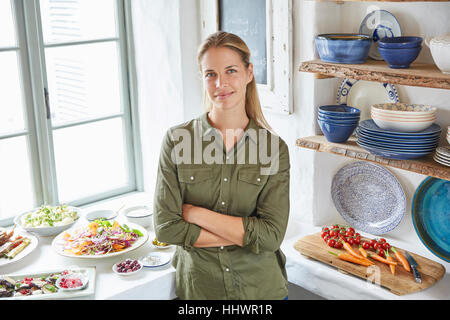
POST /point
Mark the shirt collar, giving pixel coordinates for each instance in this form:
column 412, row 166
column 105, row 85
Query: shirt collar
column 207, row 128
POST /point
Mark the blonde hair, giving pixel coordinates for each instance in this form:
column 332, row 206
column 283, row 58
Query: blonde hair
column 222, row 39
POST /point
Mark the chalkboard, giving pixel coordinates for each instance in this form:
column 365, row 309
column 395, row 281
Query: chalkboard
column 247, row 19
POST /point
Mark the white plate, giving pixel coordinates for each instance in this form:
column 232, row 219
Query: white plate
column 89, row 289
column 29, row 249
column 58, row 244
column 155, row 260
column 83, row 278
column 445, row 163
column 114, row 268
column 363, row 94
column 379, row 24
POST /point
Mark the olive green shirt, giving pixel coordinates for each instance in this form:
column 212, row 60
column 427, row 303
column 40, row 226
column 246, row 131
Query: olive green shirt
column 236, row 184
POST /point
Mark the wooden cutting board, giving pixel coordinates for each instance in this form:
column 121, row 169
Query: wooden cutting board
column 313, row 246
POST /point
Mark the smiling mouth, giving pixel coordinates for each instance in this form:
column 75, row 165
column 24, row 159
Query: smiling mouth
column 223, row 95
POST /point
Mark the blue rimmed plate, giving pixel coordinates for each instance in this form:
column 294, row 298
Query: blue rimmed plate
column 431, row 215
column 396, row 147
column 379, row 24
column 390, row 154
column 363, row 94
column 370, row 126
column 418, row 141
column 368, row 197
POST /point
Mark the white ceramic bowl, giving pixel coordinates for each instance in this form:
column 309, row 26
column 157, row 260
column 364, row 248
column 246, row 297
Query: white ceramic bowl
column 397, row 119
column 46, row 231
column 404, row 109
column 101, row 214
column 402, row 126
column 403, row 117
column 114, row 268
column 440, row 51
column 141, row 215
column 84, row 281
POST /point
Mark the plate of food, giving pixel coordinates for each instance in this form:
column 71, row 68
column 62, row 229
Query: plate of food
column 15, row 245
column 48, row 220
column 48, row 284
column 161, row 245
column 100, row 239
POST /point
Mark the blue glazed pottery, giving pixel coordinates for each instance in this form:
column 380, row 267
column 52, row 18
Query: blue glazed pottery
column 400, row 42
column 339, row 111
column 390, row 154
column 339, row 121
column 336, row 132
column 350, row 48
column 431, row 215
column 399, row 58
column 337, row 118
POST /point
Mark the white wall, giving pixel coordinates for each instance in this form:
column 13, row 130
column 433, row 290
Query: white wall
column 167, row 35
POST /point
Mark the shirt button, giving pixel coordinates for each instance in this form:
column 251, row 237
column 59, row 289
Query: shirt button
column 227, row 270
column 223, row 203
column 221, row 247
column 259, row 179
column 192, row 177
column 225, row 179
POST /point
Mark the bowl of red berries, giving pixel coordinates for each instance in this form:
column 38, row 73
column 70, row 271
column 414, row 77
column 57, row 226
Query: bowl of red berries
column 127, row 267
column 71, row 282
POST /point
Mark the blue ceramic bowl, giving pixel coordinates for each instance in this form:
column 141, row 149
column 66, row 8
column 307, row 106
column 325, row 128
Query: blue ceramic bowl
column 351, row 48
column 336, row 133
column 339, row 121
column 341, row 111
column 400, row 42
column 399, row 58
column 337, row 118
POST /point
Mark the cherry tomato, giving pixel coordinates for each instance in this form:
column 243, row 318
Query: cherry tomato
column 357, row 240
column 372, row 243
column 325, row 229
column 381, row 240
column 331, row 243
column 386, row 246
column 376, row 246
column 333, row 233
column 338, row 245
column 366, row 245
column 357, row 235
column 351, row 241
column 380, row 253
column 324, row 233
column 351, row 229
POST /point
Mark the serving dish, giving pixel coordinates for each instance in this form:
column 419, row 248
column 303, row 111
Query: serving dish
column 431, row 215
column 400, row 42
column 25, row 252
column 363, row 94
column 51, row 276
column 430, row 132
column 46, row 231
column 358, row 189
column 399, row 58
column 440, row 51
column 350, row 48
column 402, row 125
column 336, row 132
column 141, row 215
column 115, row 268
column 405, row 109
column 156, row 260
column 106, row 214
column 65, row 248
column 379, row 24
column 72, row 282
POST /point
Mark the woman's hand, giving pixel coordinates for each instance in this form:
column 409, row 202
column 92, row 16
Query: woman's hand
column 188, row 212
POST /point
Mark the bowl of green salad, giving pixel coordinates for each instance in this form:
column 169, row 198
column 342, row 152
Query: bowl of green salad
column 48, row 220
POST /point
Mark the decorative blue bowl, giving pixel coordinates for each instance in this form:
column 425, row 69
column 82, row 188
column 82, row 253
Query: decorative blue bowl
column 342, row 121
column 399, row 58
column 341, row 111
column 335, row 132
column 351, row 48
column 400, row 42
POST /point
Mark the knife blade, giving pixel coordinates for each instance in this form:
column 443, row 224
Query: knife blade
column 413, row 264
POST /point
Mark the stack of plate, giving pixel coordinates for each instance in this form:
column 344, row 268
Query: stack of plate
column 397, row 145
column 442, row 156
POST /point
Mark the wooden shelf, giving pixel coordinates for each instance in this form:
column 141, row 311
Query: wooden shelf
column 419, row 74
column 350, row 149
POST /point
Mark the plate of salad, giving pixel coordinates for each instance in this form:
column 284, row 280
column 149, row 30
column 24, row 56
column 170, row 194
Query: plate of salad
column 100, row 239
column 48, row 220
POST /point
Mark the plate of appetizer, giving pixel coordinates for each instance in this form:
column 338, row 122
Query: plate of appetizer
column 15, row 245
column 161, row 245
column 48, row 220
column 49, row 284
column 100, row 239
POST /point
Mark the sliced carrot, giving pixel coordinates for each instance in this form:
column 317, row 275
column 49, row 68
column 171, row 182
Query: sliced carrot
column 117, row 246
column 401, row 258
column 381, row 259
column 349, row 258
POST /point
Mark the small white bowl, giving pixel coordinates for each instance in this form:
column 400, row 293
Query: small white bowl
column 114, row 268
column 404, row 109
column 141, row 215
column 101, row 214
column 84, row 281
column 402, row 126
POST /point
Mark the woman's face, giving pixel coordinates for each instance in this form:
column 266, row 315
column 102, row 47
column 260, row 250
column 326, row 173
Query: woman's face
column 225, row 78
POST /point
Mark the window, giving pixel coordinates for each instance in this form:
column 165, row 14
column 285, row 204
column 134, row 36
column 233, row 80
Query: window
column 66, row 133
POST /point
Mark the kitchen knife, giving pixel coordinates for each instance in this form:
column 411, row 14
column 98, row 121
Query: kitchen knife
column 413, row 265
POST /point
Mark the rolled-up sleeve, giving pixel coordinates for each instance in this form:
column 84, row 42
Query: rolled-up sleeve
column 265, row 230
column 167, row 203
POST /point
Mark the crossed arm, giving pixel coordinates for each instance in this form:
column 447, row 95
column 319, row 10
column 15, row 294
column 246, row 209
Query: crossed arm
column 216, row 229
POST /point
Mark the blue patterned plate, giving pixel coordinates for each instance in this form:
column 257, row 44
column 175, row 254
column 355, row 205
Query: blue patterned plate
column 431, row 215
column 370, row 126
column 390, row 154
column 404, row 141
column 396, row 147
column 368, row 197
column 379, row 24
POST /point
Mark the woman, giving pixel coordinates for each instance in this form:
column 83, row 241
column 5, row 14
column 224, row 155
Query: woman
column 220, row 200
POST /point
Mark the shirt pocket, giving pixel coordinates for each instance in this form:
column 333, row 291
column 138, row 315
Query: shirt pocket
column 250, row 184
column 196, row 185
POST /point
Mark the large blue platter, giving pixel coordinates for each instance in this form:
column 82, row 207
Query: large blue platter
column 370, row 126
column 390, row 154
column 368, row 197
column 431, row 215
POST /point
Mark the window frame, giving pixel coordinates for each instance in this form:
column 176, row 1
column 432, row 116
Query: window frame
column 31, row 52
